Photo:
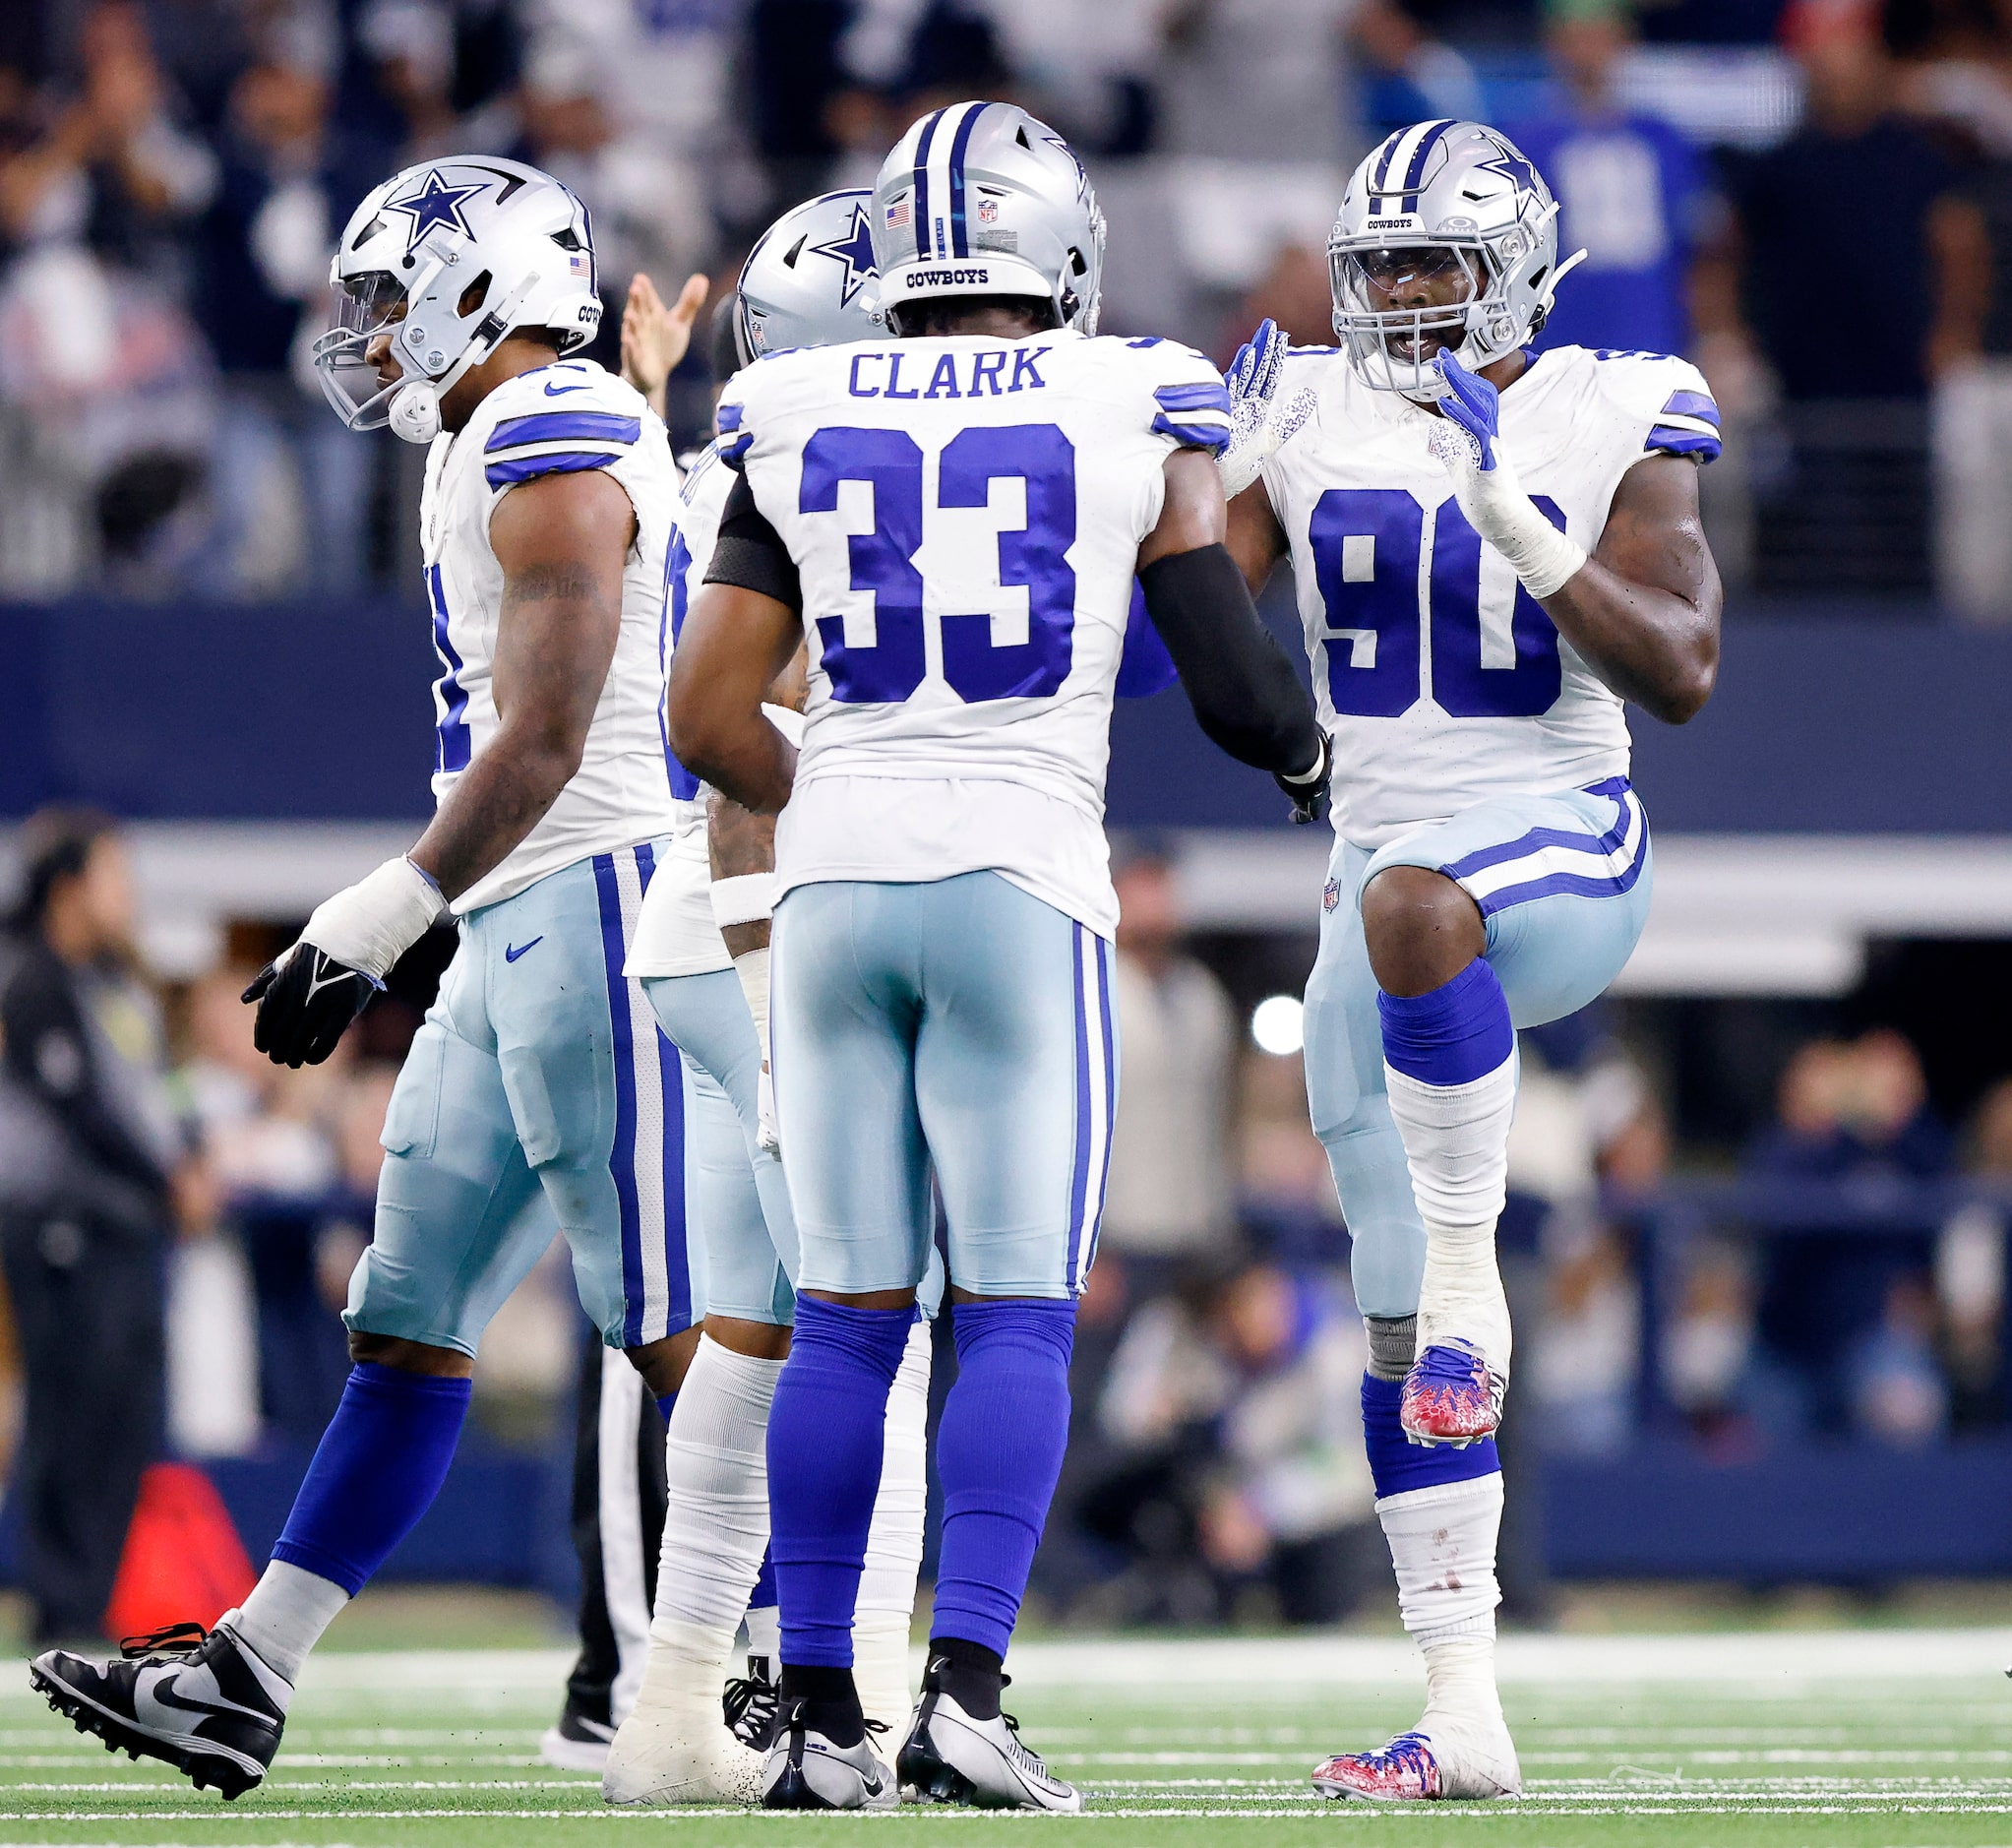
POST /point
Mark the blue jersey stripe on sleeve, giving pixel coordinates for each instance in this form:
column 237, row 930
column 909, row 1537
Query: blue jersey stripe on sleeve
column 1200, row 395
column 564, row 426
column 1676, row 442
column 1213, row 437
column 1693, row 405
column 564, row 461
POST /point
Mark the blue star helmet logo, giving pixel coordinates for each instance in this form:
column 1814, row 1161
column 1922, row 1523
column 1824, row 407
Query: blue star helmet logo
column 855, row 249
column 1512, row 166
column 435, row 202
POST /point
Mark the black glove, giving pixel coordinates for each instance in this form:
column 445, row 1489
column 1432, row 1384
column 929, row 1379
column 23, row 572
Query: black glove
column 306, row 1000
column 1310, row 795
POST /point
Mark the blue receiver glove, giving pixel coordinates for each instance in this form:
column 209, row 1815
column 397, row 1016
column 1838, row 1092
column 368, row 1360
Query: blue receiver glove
column 1473, row 404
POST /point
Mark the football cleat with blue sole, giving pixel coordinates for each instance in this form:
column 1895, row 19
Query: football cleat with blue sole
column 200, row 1700
column 1451, row 1396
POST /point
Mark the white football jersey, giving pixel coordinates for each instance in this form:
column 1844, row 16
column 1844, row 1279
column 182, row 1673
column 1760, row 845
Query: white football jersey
column 675, row 934
column 558, row 419
column 965, row 515
column 1443, row 681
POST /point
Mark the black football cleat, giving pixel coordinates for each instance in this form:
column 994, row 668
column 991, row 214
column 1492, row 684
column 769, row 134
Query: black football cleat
column 752, row 1706
column 201, row 1700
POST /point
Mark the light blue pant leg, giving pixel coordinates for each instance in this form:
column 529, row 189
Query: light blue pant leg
column 741, row 1201
column 540, row 1059
column 961, row 1024
column 1351, row 1109
column 846, row 1001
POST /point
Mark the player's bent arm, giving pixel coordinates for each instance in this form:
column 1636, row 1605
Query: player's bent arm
column 561, row 541
column 734, row 643
column 1245, row 693
column 1255, row 539
column 1644, row 609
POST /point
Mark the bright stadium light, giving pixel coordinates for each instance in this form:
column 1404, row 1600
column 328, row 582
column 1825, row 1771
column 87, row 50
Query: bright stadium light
column 1277, row 1024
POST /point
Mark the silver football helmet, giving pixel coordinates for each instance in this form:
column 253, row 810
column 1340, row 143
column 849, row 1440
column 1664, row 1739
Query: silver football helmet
column 981, row 198
column 811, row 279
column 447, row 258
column 1447, row 237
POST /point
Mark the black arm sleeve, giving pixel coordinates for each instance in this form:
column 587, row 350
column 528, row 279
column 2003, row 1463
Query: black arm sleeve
column 1243, row 690
column 750, row 553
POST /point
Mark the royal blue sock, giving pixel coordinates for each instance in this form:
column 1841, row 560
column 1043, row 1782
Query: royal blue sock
column 376, row 1470
column 1455, row 1034
column 1396, row 1464
column 664, row 1402
column 825, row 1437
column 999, row 1452
column 763, row 1594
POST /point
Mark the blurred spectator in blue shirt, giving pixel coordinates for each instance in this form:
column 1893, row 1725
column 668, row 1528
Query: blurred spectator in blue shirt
column 1408, row 74
column 1630, row 191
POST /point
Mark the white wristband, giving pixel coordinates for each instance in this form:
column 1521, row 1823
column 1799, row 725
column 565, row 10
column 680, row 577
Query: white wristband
column 745, row 899
column 370, row 925
column 1545, row 559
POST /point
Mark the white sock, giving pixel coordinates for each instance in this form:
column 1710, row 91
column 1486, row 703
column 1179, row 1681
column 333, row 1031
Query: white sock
column 285, row 1615
column 1456, row 1145
column 893, row 1550
column 1460, row 1682
column 1442, row 1543
column 764, row 1636
column 715, row 1524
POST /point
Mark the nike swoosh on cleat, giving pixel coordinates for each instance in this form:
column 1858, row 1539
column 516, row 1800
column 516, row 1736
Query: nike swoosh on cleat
column 511, row 952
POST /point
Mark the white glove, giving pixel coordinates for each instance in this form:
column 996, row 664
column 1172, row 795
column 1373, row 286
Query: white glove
column 752, row 967
column 1466, row 441
column 1259, row 427
column 368, row 926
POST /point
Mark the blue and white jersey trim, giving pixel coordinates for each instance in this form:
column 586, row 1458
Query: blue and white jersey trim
column 556, row 442
column 1687, row 425
column 1549, row 861
column 732, row 441
column 1197, row 415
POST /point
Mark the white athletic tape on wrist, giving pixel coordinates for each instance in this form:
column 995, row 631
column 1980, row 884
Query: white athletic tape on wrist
column 371, row 924
column 743, row 898
column 752, row 967
column 1506, row 518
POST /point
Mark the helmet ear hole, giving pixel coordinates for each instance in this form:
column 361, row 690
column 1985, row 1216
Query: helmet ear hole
column 474, row 295
column 1077, row 266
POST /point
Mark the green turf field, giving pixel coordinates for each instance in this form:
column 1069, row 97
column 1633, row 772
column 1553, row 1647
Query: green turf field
column 1889, row 1739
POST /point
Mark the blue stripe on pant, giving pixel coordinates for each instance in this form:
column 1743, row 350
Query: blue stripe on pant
column 538, row 1092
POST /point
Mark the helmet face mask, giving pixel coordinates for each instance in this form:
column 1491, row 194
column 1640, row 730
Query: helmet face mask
column 405, row 273
column 1447, row 241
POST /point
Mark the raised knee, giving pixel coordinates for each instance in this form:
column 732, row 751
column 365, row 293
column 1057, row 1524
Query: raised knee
column 1421, row 929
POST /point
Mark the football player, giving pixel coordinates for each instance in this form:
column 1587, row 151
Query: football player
column 701, row 950
column 548, row 513
column 953, row 519
column 1494, row 552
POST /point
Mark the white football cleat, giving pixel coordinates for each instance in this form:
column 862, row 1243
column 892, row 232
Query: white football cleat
column 662, row 1759
column 804, row 1770
column 1444, row 1759
column 952, row 1757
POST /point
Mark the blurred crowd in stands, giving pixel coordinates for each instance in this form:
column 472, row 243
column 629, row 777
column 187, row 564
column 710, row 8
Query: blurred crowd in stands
column 1814, row 199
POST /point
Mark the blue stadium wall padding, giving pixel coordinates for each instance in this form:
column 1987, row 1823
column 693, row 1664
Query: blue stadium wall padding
column 1843, row 1513
column 321, row 711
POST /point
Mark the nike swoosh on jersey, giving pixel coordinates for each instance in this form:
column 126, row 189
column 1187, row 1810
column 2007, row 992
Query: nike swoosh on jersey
column 560, row 391
column 511, row 952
